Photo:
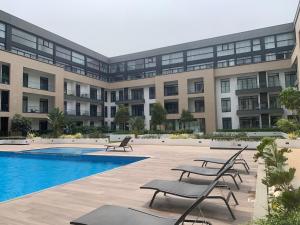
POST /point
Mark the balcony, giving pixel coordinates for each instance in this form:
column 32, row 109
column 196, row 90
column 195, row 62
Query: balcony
column 39, row 86
column 35, row 109
column 83, row 115
column 70, row 95
column 257, row 110
column 258, row 90
column 130, row 100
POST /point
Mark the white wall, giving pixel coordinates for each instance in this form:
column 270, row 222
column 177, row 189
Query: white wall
column 34, row 79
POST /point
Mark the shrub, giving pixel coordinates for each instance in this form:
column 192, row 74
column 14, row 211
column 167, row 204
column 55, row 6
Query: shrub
column 290, row 218
column 287, row 126
column 260, row 148
column 179, row 136
column 293, row 135
column 20, row 124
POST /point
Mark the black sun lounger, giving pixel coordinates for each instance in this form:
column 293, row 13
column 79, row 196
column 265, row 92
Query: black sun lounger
column 238, row 160
column 187, row 190
column 124, row 144
column 189, row 169
column 117, row 215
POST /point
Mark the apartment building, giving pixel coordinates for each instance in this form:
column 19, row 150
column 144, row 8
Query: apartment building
column 226, row 82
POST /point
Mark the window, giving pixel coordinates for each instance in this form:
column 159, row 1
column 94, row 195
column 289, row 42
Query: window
column 247, row 83
column 226, row 105
column 150, row 109
column 249, row 122
column 256, row 45
column 149, row 74
column 45, row 46
column 43, row 105
column 77, row 58
column 103, row 67
column 137, row 94
column 201, row 66
column 198, row 54
column 199, row 86
column 225, row 86
column 199, row 105
column 63, row 53
column 25, row 79
column 290, row 79
column 135, row 65
column 45, row 59
column 225, row 49
column 117, row 67
column 150, row 62
column 92, row 63
column 269, row 42
column 172, row 70
column 105, row 96
column 4, row 74
column 225, row 63
column 172, row 58
column 2, row 30
column 243, row 46
column 23, row 38
column 273, row 80
column 226, row 123
column 78, row 70
column 171, row 107
column 171, row 89
column 112, row 96
column 248, row 103
column 244, row 60
column 44, row 83
column 137, row 110
column 151, row 92
column 113, row 111
column 105, row 111
column 257, row 59
column 285, row 39
column 274, row 101
column 23, row 53
column 270, row 57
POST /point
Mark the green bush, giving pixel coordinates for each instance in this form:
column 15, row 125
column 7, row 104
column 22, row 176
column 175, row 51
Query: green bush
column 290, row 218
column 287, row 126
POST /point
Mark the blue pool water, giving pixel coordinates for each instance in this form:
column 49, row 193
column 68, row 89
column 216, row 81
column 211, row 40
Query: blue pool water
column 76, row 151
column 25, row 173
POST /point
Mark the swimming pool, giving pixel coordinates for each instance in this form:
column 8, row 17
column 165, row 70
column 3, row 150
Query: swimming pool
column 65, row 150
column 25, row 173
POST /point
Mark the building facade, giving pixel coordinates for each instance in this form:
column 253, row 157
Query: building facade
column 227, row 82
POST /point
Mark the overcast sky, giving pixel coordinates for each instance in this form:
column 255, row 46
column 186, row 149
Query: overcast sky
column 116, row 27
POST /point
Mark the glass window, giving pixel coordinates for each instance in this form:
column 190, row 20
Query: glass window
column 270, row 57
column 113, row 110
column 2, row 30
column 117, row 67
column 171, row 107
column 243, row 46
column 63, row 53
column 227, row 124
column 45, row 59
column 202, row 53
column 247, row 83
column 201, row 66
column 274, row 101
column 103, row 67
column 150, row 62
column 269, row 42
column 285, row 39
column 256, row 45
column 92, row 63
column 199, row 105
column 226, row 105
column 77, row 58
column 23, row 38
column 23, row 53
column 151, row 92
column 45, row 46
column 78, row 70
column 148, row 74
column 170, row 89
column 135, row 64
column 225, row 49
column 225, row 63
column 249, row 122
column 112, row 96
column 243, row 61
column 172, row 58
column 172, row 70
column 290, row 79
column 257, row 59
column 225, row 86
column 248, row 103
column 273, row 80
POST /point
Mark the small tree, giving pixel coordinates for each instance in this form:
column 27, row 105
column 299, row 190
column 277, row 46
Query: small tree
column 122, row 116
column 20, row 124
column 186, row 117
column 287, row 126
column 158, row 115
column 57, row 121
column 136, row 124
column 290, row 98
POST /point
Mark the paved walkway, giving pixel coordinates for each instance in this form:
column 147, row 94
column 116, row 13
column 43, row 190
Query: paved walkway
column 120, row 186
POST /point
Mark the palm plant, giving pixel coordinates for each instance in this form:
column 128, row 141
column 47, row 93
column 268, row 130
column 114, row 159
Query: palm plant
column 57, row 121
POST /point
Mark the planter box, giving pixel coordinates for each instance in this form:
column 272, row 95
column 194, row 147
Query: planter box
column 119, row 137
column 233, row 144
column 166, row 141
column 100, row 141
column 15, row 142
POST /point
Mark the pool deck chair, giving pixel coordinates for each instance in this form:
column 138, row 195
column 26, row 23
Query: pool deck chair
column 188, row 169
column 124, row 144
column 187, row 190
column 238, row 160
column 117, row 215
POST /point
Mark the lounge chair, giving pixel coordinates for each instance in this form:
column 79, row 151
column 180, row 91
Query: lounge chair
column 238, row 160
column 188, row 169
column 187, row 190
column 117, row 215
column 124, row 144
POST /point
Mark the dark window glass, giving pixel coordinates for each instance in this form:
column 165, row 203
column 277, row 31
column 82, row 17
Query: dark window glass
column 290, row 79
column 112, row 96
column 171, row 107
column 226, row 104
column 227, row 124
column 151, row 92
column 199, row 105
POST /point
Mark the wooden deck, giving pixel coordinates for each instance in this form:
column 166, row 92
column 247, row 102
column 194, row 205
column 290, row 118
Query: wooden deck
column 120, row 186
